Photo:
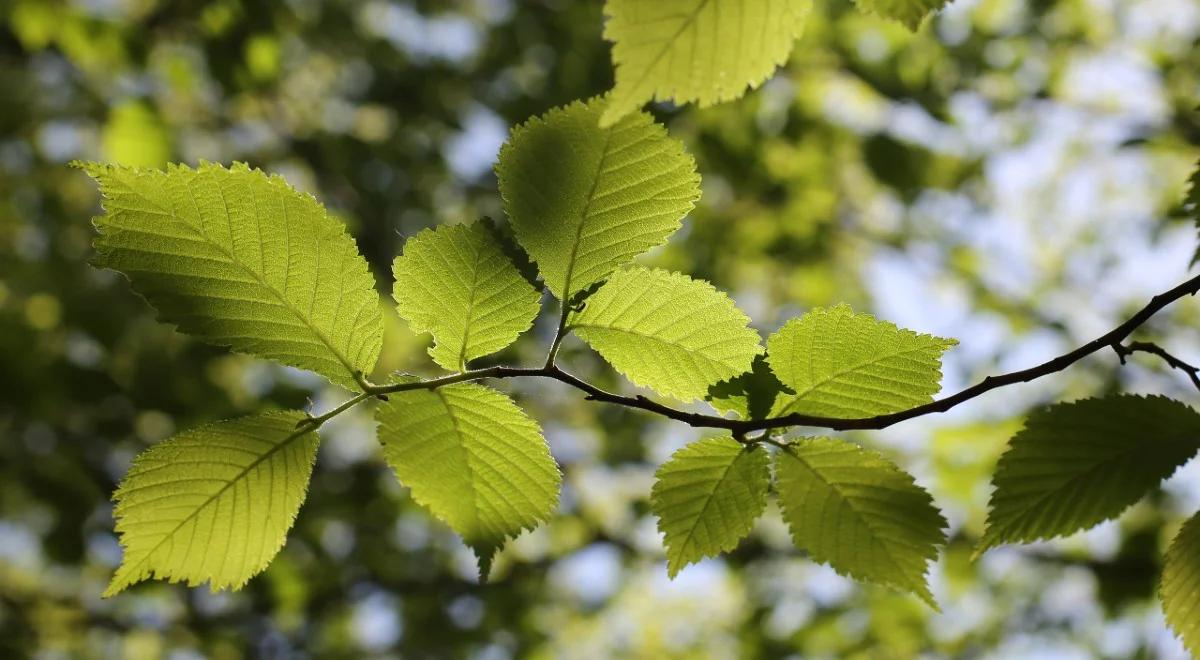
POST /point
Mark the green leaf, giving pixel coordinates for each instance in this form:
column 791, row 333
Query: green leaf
column 458, row 284
column 1077, row 464
column 584, row 200
column 1180, row 588
column 750, row 395
column 214, row 503
column 238, row 258
column 856, row 511
column 842, row 364
column 667, row 331
column 706, row 51
column 474, row 459
column 908, row 12
column 707, row 497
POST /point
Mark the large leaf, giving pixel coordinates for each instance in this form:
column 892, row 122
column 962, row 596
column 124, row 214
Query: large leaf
column 667, row 331
column 908, row 12
column 457, row 283
column 855, row 510
column 1180, row 588
column 584, row 200
column 240, row 259
column 474, row 459
column 214, row 503
column 707, row 497
column 706, row 51
column 1077, row 464
column 842, row 364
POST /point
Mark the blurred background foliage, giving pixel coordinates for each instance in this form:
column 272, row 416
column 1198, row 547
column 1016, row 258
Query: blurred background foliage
column 1010, row 175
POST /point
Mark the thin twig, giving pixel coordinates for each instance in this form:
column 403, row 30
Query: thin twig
column 739, row 427
column 1125, row 350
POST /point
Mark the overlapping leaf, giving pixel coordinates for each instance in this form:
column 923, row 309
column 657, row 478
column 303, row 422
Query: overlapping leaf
column 707, row 51
column 1180, row 588
column 667, row 331
column 1077, row 464
column 457, row 283
column 474, row 459
column 240, row 259
column 750, row 395
column 842, row 364
column 908, row 12
column 858, row 512
column 215, row 503
column 584, row 200
column 707, row 497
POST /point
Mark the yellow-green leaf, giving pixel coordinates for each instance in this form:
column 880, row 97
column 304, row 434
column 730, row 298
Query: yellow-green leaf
column 855, row 510
column 213, row 504
column 583, row 200
column 1180, row 588
column 842, row 364
column 457, row 283
column 238, row 258
column 707, row 497
column 706, row 51
column 474, row 459
column 667, row 331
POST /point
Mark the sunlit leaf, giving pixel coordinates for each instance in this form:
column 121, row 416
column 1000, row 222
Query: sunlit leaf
column 458, row 284
column 667, row 331
column 842, row 364
column 213, row 504
column 474, row 459
column 856, row 511
column 238, row 258
column 1180, row 589
column 583, row 200
column 706, row 51
column 707, row 497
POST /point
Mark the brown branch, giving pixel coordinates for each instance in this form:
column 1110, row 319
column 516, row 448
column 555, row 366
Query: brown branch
column 1125, row 350
column 739, row 428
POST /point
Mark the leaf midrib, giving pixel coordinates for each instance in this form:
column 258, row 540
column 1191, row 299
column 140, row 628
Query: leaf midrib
column 799, row 397
column 584, row 214
column 668, row 42
column 880, row 539
column 709, row 500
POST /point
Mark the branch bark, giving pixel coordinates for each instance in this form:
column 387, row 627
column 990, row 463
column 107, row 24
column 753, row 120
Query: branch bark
column 740, row 427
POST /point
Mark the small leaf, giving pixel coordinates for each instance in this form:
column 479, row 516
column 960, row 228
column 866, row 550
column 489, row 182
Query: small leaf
column 858, row 512
column 238, row 258
column 707, row 51
column 667, row 331
column 474, row 459
column 584, row 200
column 750, row 395
column 214, row 503
column 1078, row 464
column 847, row 365
column 908, row 12
column 1180, row 589
column 707, row 497
column 458, row 284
